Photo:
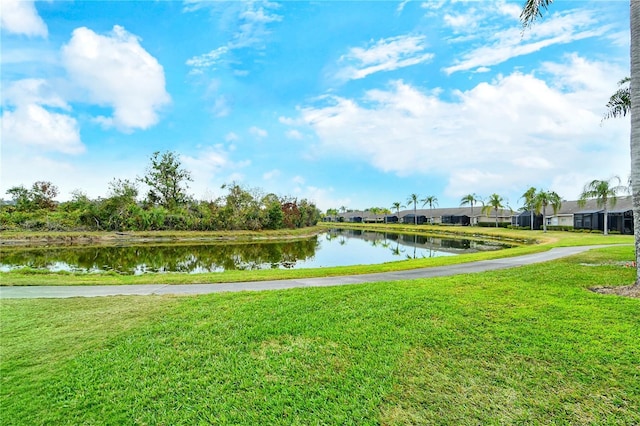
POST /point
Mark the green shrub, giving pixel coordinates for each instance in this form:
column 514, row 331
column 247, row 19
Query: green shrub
column 493, row 224
column 566, row 228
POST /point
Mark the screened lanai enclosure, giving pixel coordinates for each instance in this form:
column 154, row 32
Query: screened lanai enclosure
column 523, row 220
column 411, row 218
column 620, row 221
column 463, row 220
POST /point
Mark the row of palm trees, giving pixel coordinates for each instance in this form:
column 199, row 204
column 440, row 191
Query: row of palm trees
column 536, row 201
column 605, row 192
column 430, row 200
column 494, row 202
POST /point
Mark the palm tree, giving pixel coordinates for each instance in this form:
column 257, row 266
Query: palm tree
column 413, row 198
column 543, row 199
column 530, row 12
column 376, row 211
column 619, row 104
column 529, row 201
column 495, row 202
column 470, row 200
column 397, row 206
column 334, row 213
column 431, row 200
column 386, row 212
column 605, row 194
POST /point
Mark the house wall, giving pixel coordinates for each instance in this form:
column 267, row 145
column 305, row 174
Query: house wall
column 564, row 220
column 491, row 218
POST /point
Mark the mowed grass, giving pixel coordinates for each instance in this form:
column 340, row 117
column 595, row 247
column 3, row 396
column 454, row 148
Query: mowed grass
column 529, row 345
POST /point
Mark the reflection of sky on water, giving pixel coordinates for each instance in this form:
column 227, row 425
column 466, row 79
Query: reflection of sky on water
column 345, row 251
column 335, row 248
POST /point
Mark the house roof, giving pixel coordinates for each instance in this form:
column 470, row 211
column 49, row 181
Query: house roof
column 623, row 204
column 571, row 207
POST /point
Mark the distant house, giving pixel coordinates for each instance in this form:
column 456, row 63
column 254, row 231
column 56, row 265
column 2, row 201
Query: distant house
column 451, row 219
column 620, row 217
column 412, row 218
column 523, row 220
column 618, row 220
column 589, row 219
column 621, row 221
column 571, row 214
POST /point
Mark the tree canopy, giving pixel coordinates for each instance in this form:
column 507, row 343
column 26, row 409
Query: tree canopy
column 167, row 180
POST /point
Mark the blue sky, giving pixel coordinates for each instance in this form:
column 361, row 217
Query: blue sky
column 354, row 104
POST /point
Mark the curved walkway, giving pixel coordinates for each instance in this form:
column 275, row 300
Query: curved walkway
column 31, row 292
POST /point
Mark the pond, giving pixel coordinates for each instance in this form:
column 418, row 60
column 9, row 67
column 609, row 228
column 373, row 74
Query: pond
column 337, row 247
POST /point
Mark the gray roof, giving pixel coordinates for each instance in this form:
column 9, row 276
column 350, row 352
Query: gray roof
column 623, row 204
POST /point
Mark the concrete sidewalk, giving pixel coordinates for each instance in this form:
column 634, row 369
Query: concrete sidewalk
column 29, row 292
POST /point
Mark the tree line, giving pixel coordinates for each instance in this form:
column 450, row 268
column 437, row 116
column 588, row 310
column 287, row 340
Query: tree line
column 166, row 206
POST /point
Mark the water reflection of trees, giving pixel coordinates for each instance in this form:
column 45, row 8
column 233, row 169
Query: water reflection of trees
column 229, row 255
column 414, row 246
column 163, row 258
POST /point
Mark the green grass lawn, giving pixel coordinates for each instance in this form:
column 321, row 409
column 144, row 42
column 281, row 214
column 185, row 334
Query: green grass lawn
column 528, row 345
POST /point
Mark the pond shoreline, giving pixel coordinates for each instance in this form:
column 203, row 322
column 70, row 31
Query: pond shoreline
column 332, row 248
column 10, row 239
column 24, row 239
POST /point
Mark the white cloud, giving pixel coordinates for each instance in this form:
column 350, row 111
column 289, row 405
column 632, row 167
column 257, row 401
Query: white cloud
column 231, row 137
column 288, row 121
column 433, row 5
column 385, row 55
column 117, row 72
column 210, row 160
column 294, row 134
column 258, row 132
column 323, row 198
column 33, row 125
column 220, row 107
column 91, row 175
column 212, row 167
column 21, row 17
column 250, row 23
column 32, row 91
column 508, row 43
column 29, row 123
column 503, row 134
column 462, row 21
column 60, row 173
column 510, row 9
column 271, row 174
column 235, row 177
column 208, row 59
column 22, row 54
column 532, row 162
column 401, row 6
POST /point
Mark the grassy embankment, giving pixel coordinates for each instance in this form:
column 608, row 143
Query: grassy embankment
column 528, row 345
column 16, row 241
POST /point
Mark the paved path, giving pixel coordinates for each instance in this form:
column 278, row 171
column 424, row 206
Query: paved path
column 22, row 292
